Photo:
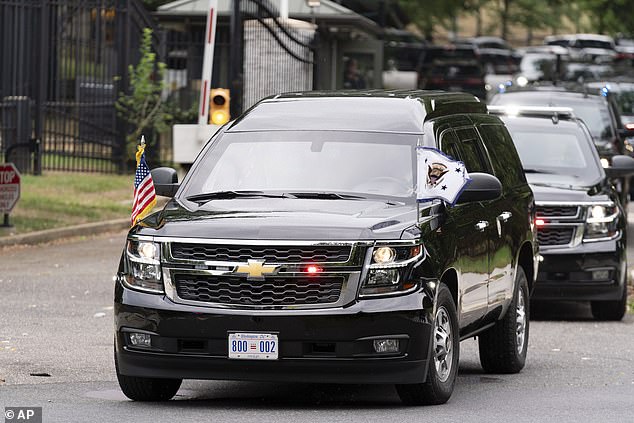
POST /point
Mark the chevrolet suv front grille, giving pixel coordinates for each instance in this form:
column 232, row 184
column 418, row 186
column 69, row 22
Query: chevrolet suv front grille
column 272, row 291
column 270, row 254
column 555, row 236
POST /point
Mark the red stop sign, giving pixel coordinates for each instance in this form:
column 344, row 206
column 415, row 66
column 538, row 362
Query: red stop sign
column 9, row 187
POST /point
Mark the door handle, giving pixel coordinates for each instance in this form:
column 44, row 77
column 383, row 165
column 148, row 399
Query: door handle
column 505, row 216
column 482, row 225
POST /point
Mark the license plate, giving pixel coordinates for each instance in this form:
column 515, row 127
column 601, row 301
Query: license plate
column 253, row 346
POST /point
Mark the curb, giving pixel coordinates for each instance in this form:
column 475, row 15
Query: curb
column 67, row 232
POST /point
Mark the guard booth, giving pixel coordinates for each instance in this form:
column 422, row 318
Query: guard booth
column 258, row 54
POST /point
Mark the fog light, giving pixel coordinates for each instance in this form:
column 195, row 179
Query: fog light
column 386, row 345
column 141, row 339
column 383, row 277
column 600, row 275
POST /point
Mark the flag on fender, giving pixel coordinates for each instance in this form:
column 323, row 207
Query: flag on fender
column 144, row 194
column 439, row 176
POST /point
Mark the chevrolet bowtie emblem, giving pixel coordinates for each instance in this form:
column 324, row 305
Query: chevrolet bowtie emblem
column 255, row 269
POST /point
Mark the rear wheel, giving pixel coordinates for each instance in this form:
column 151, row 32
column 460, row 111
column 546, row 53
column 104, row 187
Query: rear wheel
column 503, row 348
column 443, row 363
column 147, row 389
column 610, row 310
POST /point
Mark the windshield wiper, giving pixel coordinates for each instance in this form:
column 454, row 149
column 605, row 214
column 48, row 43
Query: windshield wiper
column 326, row 196
column 226, row 195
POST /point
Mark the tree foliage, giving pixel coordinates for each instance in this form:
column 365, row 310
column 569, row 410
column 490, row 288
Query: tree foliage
column 143, row 107
column 602, row 16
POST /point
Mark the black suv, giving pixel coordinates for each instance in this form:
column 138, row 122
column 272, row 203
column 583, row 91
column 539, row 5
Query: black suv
column 581, row 224
column 295, row 250
column 598, row 112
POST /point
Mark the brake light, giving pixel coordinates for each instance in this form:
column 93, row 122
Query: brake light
column 539, row 222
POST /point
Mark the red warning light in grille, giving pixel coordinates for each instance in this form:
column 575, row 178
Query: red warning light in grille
column 313, row 269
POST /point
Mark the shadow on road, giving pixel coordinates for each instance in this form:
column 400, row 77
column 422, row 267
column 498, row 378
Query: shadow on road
column 561, row 311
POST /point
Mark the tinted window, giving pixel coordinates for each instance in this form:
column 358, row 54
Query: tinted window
column 506, row 163
column 473, row 153
column 308, row 161
column 449, row 144
column 555, row 153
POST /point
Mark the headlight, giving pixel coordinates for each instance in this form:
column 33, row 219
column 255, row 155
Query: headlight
column 601, row 223
column 390, row 269
column 144, row 266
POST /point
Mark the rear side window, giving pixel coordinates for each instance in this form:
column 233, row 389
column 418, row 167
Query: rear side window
column 473, row 153
column 504, row 157
column 449, row 144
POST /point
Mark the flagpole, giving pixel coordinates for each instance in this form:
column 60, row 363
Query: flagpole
column 417, row 212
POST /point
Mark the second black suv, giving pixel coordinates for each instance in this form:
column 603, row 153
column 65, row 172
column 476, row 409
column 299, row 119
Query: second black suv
column 295, row 250
column 581, row 224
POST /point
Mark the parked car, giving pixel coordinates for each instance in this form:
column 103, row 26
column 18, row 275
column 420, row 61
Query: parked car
column 593, row 47
column 295, row 250
column 449, row 53
column 536, row 66
column 455, row 75
column 581, row 225
column 499, row 67
column 625, row 50
column 401, row 53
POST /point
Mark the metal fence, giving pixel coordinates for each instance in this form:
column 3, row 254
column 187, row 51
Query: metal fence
column 270, row 55
column 59, row 83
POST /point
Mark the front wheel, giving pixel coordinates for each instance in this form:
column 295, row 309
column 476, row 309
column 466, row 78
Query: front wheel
column 503, row 348
column 443, row 364
column 147, row 389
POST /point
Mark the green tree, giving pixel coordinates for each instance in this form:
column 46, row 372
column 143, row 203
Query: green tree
column 431, row 13
column 143, row 107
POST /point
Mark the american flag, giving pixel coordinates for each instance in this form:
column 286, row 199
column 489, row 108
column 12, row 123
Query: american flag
column 144, row 194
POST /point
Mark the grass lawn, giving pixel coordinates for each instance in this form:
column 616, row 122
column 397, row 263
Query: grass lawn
column 58, row 199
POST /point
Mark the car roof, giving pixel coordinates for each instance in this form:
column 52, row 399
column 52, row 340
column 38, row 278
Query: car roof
column 393, row 111
column 551, row 96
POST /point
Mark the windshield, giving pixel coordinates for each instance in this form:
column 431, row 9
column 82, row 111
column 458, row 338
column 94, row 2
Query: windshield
column 594, row 115
column 291, row 162
column 555, row 155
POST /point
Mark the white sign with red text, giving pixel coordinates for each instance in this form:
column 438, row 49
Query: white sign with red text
column 9, row 187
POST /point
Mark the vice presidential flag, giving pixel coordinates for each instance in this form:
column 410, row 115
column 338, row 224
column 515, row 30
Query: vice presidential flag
column 439, row 176
column 144, row 194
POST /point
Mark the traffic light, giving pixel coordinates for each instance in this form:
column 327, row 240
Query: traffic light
column 219, row 106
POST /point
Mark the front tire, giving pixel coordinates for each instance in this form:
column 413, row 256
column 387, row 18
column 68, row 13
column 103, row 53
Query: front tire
column 503, row 348
column 147, row 389
column 610, row 310
column 443, row 363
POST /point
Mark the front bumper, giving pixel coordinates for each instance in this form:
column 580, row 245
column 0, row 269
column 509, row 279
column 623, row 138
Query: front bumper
column 567, row 274
column 325, row 345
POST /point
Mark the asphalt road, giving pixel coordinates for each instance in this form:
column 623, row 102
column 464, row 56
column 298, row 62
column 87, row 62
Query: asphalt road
column 56, row 352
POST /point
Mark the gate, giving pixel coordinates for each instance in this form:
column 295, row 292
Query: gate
column 269, row 55
column 62, row 65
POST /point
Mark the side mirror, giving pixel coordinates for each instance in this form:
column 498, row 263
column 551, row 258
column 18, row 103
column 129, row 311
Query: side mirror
column 165, row 181
column 482, row 187
column 620, row 166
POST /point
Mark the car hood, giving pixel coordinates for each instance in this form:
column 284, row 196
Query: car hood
column 567, row 194
column 282, row 219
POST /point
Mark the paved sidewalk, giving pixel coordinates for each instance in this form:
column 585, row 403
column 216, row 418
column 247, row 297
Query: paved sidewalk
column 50, row 235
